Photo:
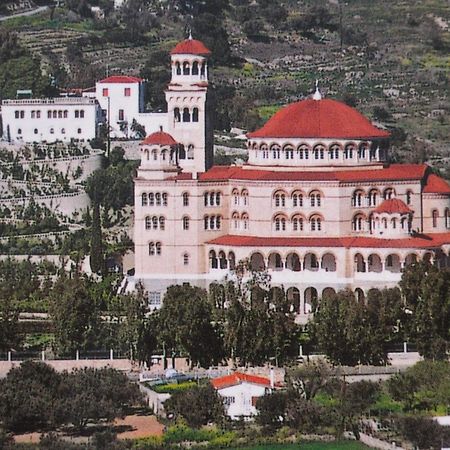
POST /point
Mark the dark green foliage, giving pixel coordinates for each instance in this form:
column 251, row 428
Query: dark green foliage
column 198, row 405
column 75, row 315
column 34, row 396
column 423, row 432
column 424, row 387
column 351, row 332
column 272, row 410
column 185, row 322
column 97, row 260
column 9, row 320
column 427, row 292
column 29, row 397
column 94, row 394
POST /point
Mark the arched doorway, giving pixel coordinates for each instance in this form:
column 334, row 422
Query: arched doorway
column 310, row 300
column 257, row 262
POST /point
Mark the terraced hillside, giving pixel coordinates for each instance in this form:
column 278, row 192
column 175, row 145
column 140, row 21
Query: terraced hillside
column 393, row 62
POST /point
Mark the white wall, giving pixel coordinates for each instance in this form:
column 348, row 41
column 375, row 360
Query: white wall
column 242, row 394
column 34, row 125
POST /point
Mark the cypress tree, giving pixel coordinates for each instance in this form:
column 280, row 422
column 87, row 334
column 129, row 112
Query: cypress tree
column 96, row 257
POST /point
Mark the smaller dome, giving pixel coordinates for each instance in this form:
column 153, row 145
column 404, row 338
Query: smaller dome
column 159, row 138
column 191, row 47
column 392, row 206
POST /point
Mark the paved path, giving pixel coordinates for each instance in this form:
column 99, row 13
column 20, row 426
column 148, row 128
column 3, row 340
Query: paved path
column 32, row 12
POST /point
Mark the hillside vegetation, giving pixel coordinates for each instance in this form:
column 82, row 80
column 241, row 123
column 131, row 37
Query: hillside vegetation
column 388, row 58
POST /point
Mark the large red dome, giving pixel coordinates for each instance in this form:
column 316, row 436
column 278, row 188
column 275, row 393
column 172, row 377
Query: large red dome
column 323, row 118
column 191, row 47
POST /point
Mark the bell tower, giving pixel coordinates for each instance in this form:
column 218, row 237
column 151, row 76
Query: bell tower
column 189, row 119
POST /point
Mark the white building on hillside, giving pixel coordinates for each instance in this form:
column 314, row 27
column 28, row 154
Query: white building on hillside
column 240, row 393
column 121, row 98
column 50, row 119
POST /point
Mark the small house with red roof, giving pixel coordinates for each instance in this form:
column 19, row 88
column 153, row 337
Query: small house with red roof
column 240, row 392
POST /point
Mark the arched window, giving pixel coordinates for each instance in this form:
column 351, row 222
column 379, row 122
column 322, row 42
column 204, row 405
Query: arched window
column 435, row 216
column 244, row 219
column 315, row 223
column 185, row 223
column 144, row 199
column 297, row 199
column 235, row 218
column 394, row 223
column 186, row 115
column 362, row 150
column 388, row 193
column 177, row 115
column 303, row 151
column 181, row 152
column 66, row 114
column 163, row 155
column 409, row 197
column 154, row 155
column 276, row 153
column 60, row 114
column 148, row 223
column 186, row 68
column 288, row 152
column 231, row 260
column 357, row 198
column 280, row 199
column 162, row 223
column 244, row 195
column 82, row 113
column 348, row 152
column 151, row 248
column 333, row 152
column 235, row 194
column 315, row 199
column 185, row 259
column 358, row 222
column 178, row 68
column 373, row 197
column 151, row 199
column 203, row 70
column 158, row 248
column 55, row 114
column 319, row 152
column 218, row 198
column 195, row 115
column 155, row 222
column 158, row 199
column 280, row 223
column 297, row 223
column 384, row 223
column 185, row 199
column 190, row 152
column 213, row 260
column 164, row 198
column 195, row 68
column 447, row 218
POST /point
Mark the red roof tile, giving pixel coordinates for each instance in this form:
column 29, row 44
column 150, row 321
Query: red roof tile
column 238, row 378
column 190, row 47
column 159, row 138
column 324, row 118
column 436, row 185
column 419, row 241
column 392, row 206
column 121, row 79
column 403, row 172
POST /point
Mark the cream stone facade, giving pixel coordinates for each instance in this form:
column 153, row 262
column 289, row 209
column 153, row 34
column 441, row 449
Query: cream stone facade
column 318, row 204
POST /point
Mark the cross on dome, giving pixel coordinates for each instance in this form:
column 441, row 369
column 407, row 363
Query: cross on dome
column 317, row 95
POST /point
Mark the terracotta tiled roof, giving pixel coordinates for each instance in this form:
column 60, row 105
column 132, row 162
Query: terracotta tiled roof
column 400, row 172
column 436, row 185
column 190, row 47
column 159, row 138
column 419, row 241
column 392, row 206
column 238, row 378
column 121, row 79
column 324, row 118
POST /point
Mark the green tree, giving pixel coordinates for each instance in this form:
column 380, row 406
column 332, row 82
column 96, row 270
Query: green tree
column 427, row 293
column 423, row 432
column 308, row 379
column 9, row 325
column 199, row 405
column 186, row 325
column 96, row 257
column 272, row 410
column 29, row 397
column 348, row 332
column 93, row 394
column 75, row 315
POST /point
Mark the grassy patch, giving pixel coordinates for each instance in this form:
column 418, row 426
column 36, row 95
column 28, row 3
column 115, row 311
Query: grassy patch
column 173, row 387
column 266, row 112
